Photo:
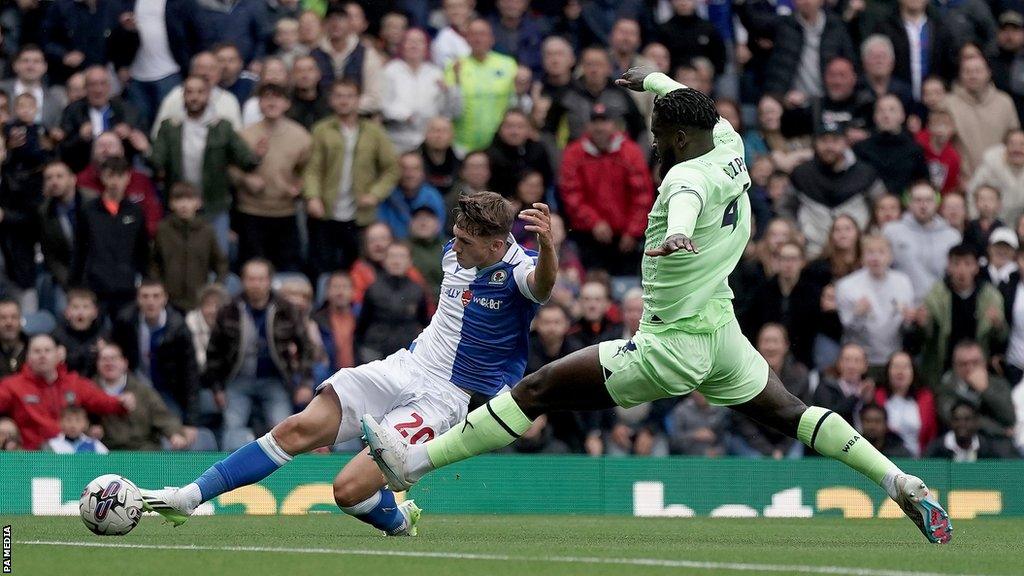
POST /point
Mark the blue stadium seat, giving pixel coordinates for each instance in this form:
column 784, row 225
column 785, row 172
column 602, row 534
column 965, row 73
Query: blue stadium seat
column 41, row 322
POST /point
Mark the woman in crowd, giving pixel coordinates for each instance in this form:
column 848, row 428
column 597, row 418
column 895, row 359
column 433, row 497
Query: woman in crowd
column 909, row 404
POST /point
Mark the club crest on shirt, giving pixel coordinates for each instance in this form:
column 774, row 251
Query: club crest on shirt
column 467, row 297
column 498, row 277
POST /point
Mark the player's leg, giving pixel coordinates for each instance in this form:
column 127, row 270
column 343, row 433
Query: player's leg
column 738, row 371
column 360, row 492
column 317, row 425
column 576, row 382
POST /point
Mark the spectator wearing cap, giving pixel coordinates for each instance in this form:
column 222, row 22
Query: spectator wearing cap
column 265, row 213
column 414, row 92
column 970, row 381
column 140, row 191
column 351, row 171
column 185, row 251
column 100, row 111
column 607, row 191
column 513, row 152
column 805, row 42
column 199, row 149
column 958, row 308
column 1008, row 62
column 833, row 182
column 482, row 85
column 309, row 98
column 30, row 76
column 1002, row 167
column 922, row 42
column 411, row 194
column 983, row 114
column 341, row 55
column 840, row 104
column 967, row 442
column 1001, row 257
column 244, row 23
column 891, row 150
column 111, row 244
column 921, row 240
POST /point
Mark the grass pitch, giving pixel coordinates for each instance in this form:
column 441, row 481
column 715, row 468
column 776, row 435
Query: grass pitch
column 328, row 544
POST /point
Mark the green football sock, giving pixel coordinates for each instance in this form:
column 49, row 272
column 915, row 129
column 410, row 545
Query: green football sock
column 494, row 425
column 832, row 436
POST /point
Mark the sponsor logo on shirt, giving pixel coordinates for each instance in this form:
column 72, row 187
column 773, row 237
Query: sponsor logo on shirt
column 490, row 303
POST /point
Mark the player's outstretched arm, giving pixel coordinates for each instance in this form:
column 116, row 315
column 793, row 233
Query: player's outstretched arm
column 684, row 206
column 542, row 279
column 645, row 78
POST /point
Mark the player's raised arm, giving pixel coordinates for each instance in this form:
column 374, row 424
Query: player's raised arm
column 542, row 279
column 644, row 78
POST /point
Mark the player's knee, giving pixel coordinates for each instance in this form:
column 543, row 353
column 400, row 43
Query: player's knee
column 346, row 493
column 294, row 434
column 530, row 393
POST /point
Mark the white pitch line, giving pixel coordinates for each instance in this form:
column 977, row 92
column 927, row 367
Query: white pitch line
column 655, row 562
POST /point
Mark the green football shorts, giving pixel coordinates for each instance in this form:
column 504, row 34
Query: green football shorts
column 722, row 365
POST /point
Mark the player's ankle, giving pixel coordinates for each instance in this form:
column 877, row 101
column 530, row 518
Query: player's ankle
column 417, row 463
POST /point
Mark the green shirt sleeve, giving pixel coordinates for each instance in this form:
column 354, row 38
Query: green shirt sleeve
column 661, row 84
column 683, row 209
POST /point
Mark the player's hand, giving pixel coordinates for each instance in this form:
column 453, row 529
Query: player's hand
column 127, row 400
column 603, row 233
column 85, row 131
column 634, row 78
column 673, row 244
column 538, row 221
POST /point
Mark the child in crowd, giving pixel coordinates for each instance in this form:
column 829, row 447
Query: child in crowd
column 72, row 438
column 82, row 331
column 941, row 156
column 988, row 202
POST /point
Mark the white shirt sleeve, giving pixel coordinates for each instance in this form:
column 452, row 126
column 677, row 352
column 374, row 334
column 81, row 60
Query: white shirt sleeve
column 521, row 273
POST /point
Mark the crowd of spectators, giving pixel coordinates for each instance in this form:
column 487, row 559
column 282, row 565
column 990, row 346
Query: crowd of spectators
column 208, row 206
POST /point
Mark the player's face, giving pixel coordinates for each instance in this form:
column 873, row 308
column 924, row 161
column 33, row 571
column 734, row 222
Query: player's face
column 472, row 251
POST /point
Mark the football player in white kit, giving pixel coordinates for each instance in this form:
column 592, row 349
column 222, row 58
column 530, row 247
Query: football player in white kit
column 475, row 343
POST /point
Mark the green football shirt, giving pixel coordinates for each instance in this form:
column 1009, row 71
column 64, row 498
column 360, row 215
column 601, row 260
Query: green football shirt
column 706, row 199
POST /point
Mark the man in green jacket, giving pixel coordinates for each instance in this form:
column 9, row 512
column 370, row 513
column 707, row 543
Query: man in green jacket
column 198, row 150
column 958, row 308
column 352, row 169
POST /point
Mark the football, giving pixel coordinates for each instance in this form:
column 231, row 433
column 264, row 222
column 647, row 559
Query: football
column 110, row 505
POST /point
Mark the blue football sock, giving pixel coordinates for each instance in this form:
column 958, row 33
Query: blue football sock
column 379, row 511
column 247, row 465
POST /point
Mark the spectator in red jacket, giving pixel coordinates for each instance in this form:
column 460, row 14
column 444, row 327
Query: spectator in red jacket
column 607, row 191
column 35, row 398
column 140, row 188
column 940, row 154
column 910, row 406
